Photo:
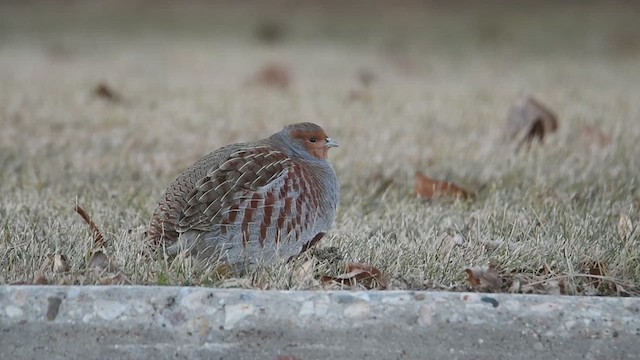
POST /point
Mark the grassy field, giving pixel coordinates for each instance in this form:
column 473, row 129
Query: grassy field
column 559, row 218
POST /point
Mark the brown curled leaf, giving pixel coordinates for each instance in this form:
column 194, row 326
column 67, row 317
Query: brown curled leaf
column 594, row 137
column 484, row 278
column 528, row 119
column 428, row 188
column 106, row 92
column 274, row 75
column 360, row 274
column 60, row 263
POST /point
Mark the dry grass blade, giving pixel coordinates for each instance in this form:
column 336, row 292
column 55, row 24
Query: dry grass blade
column 428, row 188
column 625, row 226
column 529, row 119
column 304, row 273
column 98, row 240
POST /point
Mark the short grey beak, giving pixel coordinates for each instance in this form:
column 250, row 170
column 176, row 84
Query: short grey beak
column 331, row 143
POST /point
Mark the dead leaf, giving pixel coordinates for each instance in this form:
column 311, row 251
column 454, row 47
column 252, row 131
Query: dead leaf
column 599, row 280
column 428, row 188
column 593, row 136
column 549, row 287
column 117, row 279
column 484, row 278
column 99, row 261
column 366, row 77
column 98, row 240
column 242, row 283
column 60, row 263
column 104, row 91
column 360, row 274
column 273, row 75
column 40, row 279
column 363, row 95
column 270, row 31
column 528, row 119
column 404, row 64
column 625, row 226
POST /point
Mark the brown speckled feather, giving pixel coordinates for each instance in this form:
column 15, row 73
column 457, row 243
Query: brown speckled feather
column 163, row 227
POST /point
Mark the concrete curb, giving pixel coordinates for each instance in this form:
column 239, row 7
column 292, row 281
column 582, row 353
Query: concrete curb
column 103, row 322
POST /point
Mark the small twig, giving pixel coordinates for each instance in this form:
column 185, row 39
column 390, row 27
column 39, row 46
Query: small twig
column 98, row 239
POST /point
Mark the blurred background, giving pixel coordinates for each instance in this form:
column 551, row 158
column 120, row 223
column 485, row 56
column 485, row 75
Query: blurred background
column 535, row 27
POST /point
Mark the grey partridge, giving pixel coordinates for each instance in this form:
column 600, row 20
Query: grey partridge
column 252, row 203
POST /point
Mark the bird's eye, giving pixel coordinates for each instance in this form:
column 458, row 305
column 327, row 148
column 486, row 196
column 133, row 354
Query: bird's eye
column 313, row 139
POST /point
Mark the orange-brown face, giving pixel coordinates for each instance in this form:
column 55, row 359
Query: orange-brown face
column 315, row 141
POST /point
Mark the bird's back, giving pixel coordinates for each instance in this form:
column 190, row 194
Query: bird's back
column 163, row 227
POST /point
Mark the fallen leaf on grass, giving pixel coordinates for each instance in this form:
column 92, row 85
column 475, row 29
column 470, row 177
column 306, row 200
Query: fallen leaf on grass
column 270, row 31
column 60, row 263
column 404, row 64
column 593, row 136
column 242, row 283
column 484, row 278
column 117, row 279
column 273, row 75
column 546, row 287
column 366, row 77
column 428, row 188
column 40, row 279
column 359, row 274
column 363, row 95
column 98, row 239
column 104, row 91
column 598, row 273
column 99, row 261
column 528, row 119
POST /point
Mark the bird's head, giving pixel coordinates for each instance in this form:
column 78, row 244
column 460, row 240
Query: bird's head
column 309, row 138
